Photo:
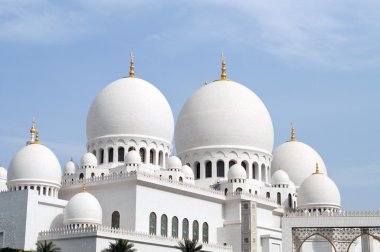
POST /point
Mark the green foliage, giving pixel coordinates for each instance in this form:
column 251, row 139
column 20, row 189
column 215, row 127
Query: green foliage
column 47, row 247
column 189, row 246
column 120, row 245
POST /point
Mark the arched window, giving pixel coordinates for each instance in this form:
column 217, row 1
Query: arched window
column 180, row 179
column 92, row 174
column 160, row 158
column 208, row 166
column 225, row 191
column 239, row 190
column 101, row 158
column 164, row 225
column 185, row 229
column 263, row 175
column 81, row 176
column 120, row 154
column 268, row 195
column 197, row 166
column 152, row 156
column 142, row 155
column 231, row 163
column 131, row 148
column 290, row 200
column 115, row 221
column 175, row 227
column 110, row 155
column 255, row 170
column 170, row 177
column 278, row 198
column 195, row 230
column 220, row 168
column 205, row 232
column 152, row 223
column 245, row 165
column 94, row 152
column 268, row 174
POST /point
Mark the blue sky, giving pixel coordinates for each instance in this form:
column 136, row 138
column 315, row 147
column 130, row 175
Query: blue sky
column 314, row 63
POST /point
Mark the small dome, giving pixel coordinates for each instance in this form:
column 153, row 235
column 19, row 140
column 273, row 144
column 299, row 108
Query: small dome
column 174, row 162
column 297, row 160
column 132, row 157
column 35, row 164
column 224, row 114
column 88, row 159
column 70, row 168
column 318, row 191
column 188, row 172
column 83, row 208
column 130, row 107
column 237, row 172
column 280, row 177
column 3, row 173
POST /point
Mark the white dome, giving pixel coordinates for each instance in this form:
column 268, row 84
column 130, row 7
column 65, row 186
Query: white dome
column 318, row 191
column 237, row 172
column 70, row 168
column 224, row 114
column 132, row 157
column 130, row 107
column 297, row 160
column 35, row 163
column 280, row 177
column 3, row 173
column 188, row 172
column 88, row 159
column 174, row 163
column 83, row 208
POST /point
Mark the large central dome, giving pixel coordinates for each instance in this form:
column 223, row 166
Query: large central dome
column 224, row 114
column 130, row 107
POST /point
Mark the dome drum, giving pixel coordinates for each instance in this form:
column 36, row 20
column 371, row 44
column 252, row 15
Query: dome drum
column 113, row 149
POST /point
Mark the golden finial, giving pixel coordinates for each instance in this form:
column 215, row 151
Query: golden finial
column 33, row 128
column 293, row 135
column 317, row 169
column 132, row 66
column 33, row 133
column 84, row 187
column 37, row 140
column 223, row 76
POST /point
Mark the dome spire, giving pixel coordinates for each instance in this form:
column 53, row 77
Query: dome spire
column 317, row 169
column 293, row 134
column 132, row 66
column 223, row 76
column 84, row 187
column 34, row 137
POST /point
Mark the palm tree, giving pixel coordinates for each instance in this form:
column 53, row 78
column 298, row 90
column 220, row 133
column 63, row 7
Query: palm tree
column 120, row 245
column 188, row 246
column 47, row 247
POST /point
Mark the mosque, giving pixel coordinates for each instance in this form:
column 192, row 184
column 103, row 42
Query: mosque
column 225, row 187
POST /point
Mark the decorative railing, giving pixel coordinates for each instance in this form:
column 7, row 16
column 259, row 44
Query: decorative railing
column 136, row 174
column 338, row 213
column 158, row 179
column 64, row 231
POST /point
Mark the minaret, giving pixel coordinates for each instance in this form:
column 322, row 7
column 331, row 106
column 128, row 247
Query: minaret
column 223, row 76
column 317, row 169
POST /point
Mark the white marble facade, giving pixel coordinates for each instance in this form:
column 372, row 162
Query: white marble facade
column 226, row 188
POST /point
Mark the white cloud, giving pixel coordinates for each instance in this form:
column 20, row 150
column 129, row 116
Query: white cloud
column 333, row 34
